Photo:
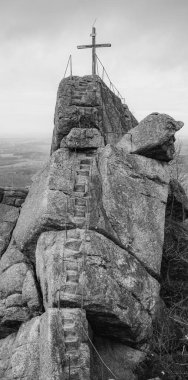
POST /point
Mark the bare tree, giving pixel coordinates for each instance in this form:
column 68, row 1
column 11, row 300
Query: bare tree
column 177, row 167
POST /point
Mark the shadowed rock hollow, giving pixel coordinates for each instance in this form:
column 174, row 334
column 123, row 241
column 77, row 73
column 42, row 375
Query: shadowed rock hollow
column 81, row 262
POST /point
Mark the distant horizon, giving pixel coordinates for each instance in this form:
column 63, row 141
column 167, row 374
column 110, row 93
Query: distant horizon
column 24, row 136
column 179, row 135
column 49, row 135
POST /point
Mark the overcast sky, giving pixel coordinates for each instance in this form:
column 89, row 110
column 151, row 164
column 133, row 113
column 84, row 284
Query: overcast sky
column 147, row 62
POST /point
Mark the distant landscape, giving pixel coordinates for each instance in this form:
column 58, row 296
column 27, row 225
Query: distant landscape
column 21, row 158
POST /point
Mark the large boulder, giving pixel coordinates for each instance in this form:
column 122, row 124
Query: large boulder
column 13, row 196
column 133, row 198
column 82, row 138
column 110, row 284
column 153, row 137
column 86, row 102
column 8, row 219
column 46, row 203
column 19, row 296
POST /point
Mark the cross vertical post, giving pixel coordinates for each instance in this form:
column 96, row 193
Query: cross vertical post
column 93, row 46
column 93, row 51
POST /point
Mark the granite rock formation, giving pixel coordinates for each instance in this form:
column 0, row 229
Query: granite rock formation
column 10, row 203
column 153, row 137
column 13, row 196
column 80, row 265
column 84, row 103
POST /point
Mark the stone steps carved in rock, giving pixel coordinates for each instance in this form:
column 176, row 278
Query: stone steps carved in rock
column 72, row 276
column 80, row 202
column 80, row 213
column 85, row 161
column 84, row 167
column 80, row 188
column 73, row 348
column 72, row 358
column 72, row 265
column 71, row 289
column 83, row 172
column 74, row 374
column 70, row 255
column 73, row 244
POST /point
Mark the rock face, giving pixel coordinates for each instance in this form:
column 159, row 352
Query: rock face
column 79, row 285
column 43, row 348
column 153, row 137
column 82, row 138
column 84, row 102
column 8, row 218
column 19, row 352
column 97, row 269
column 134, row 194
column 19, row 296
column 10, row 202
column 46, row 205
column 13, row 197
column 127, row 201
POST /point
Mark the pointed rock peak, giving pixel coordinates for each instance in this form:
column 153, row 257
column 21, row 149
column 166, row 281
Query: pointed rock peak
column 87, row 103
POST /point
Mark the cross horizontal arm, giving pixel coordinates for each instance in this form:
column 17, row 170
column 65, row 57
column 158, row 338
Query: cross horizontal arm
column 103, row 45
column 84, row 46
column 90, row 46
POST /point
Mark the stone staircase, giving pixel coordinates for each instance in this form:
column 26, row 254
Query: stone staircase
column 72, row 263
column 76, row 353
column 78, row 93
column 71, row 289
column 81, row 191
column 84, row 93
column 71, row 293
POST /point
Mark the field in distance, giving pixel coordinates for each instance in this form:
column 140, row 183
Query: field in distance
column 20, row 159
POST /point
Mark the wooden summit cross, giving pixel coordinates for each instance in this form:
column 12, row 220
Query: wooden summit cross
column 93, row 46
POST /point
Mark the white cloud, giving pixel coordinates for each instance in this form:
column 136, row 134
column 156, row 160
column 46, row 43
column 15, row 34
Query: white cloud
column 147, row 61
